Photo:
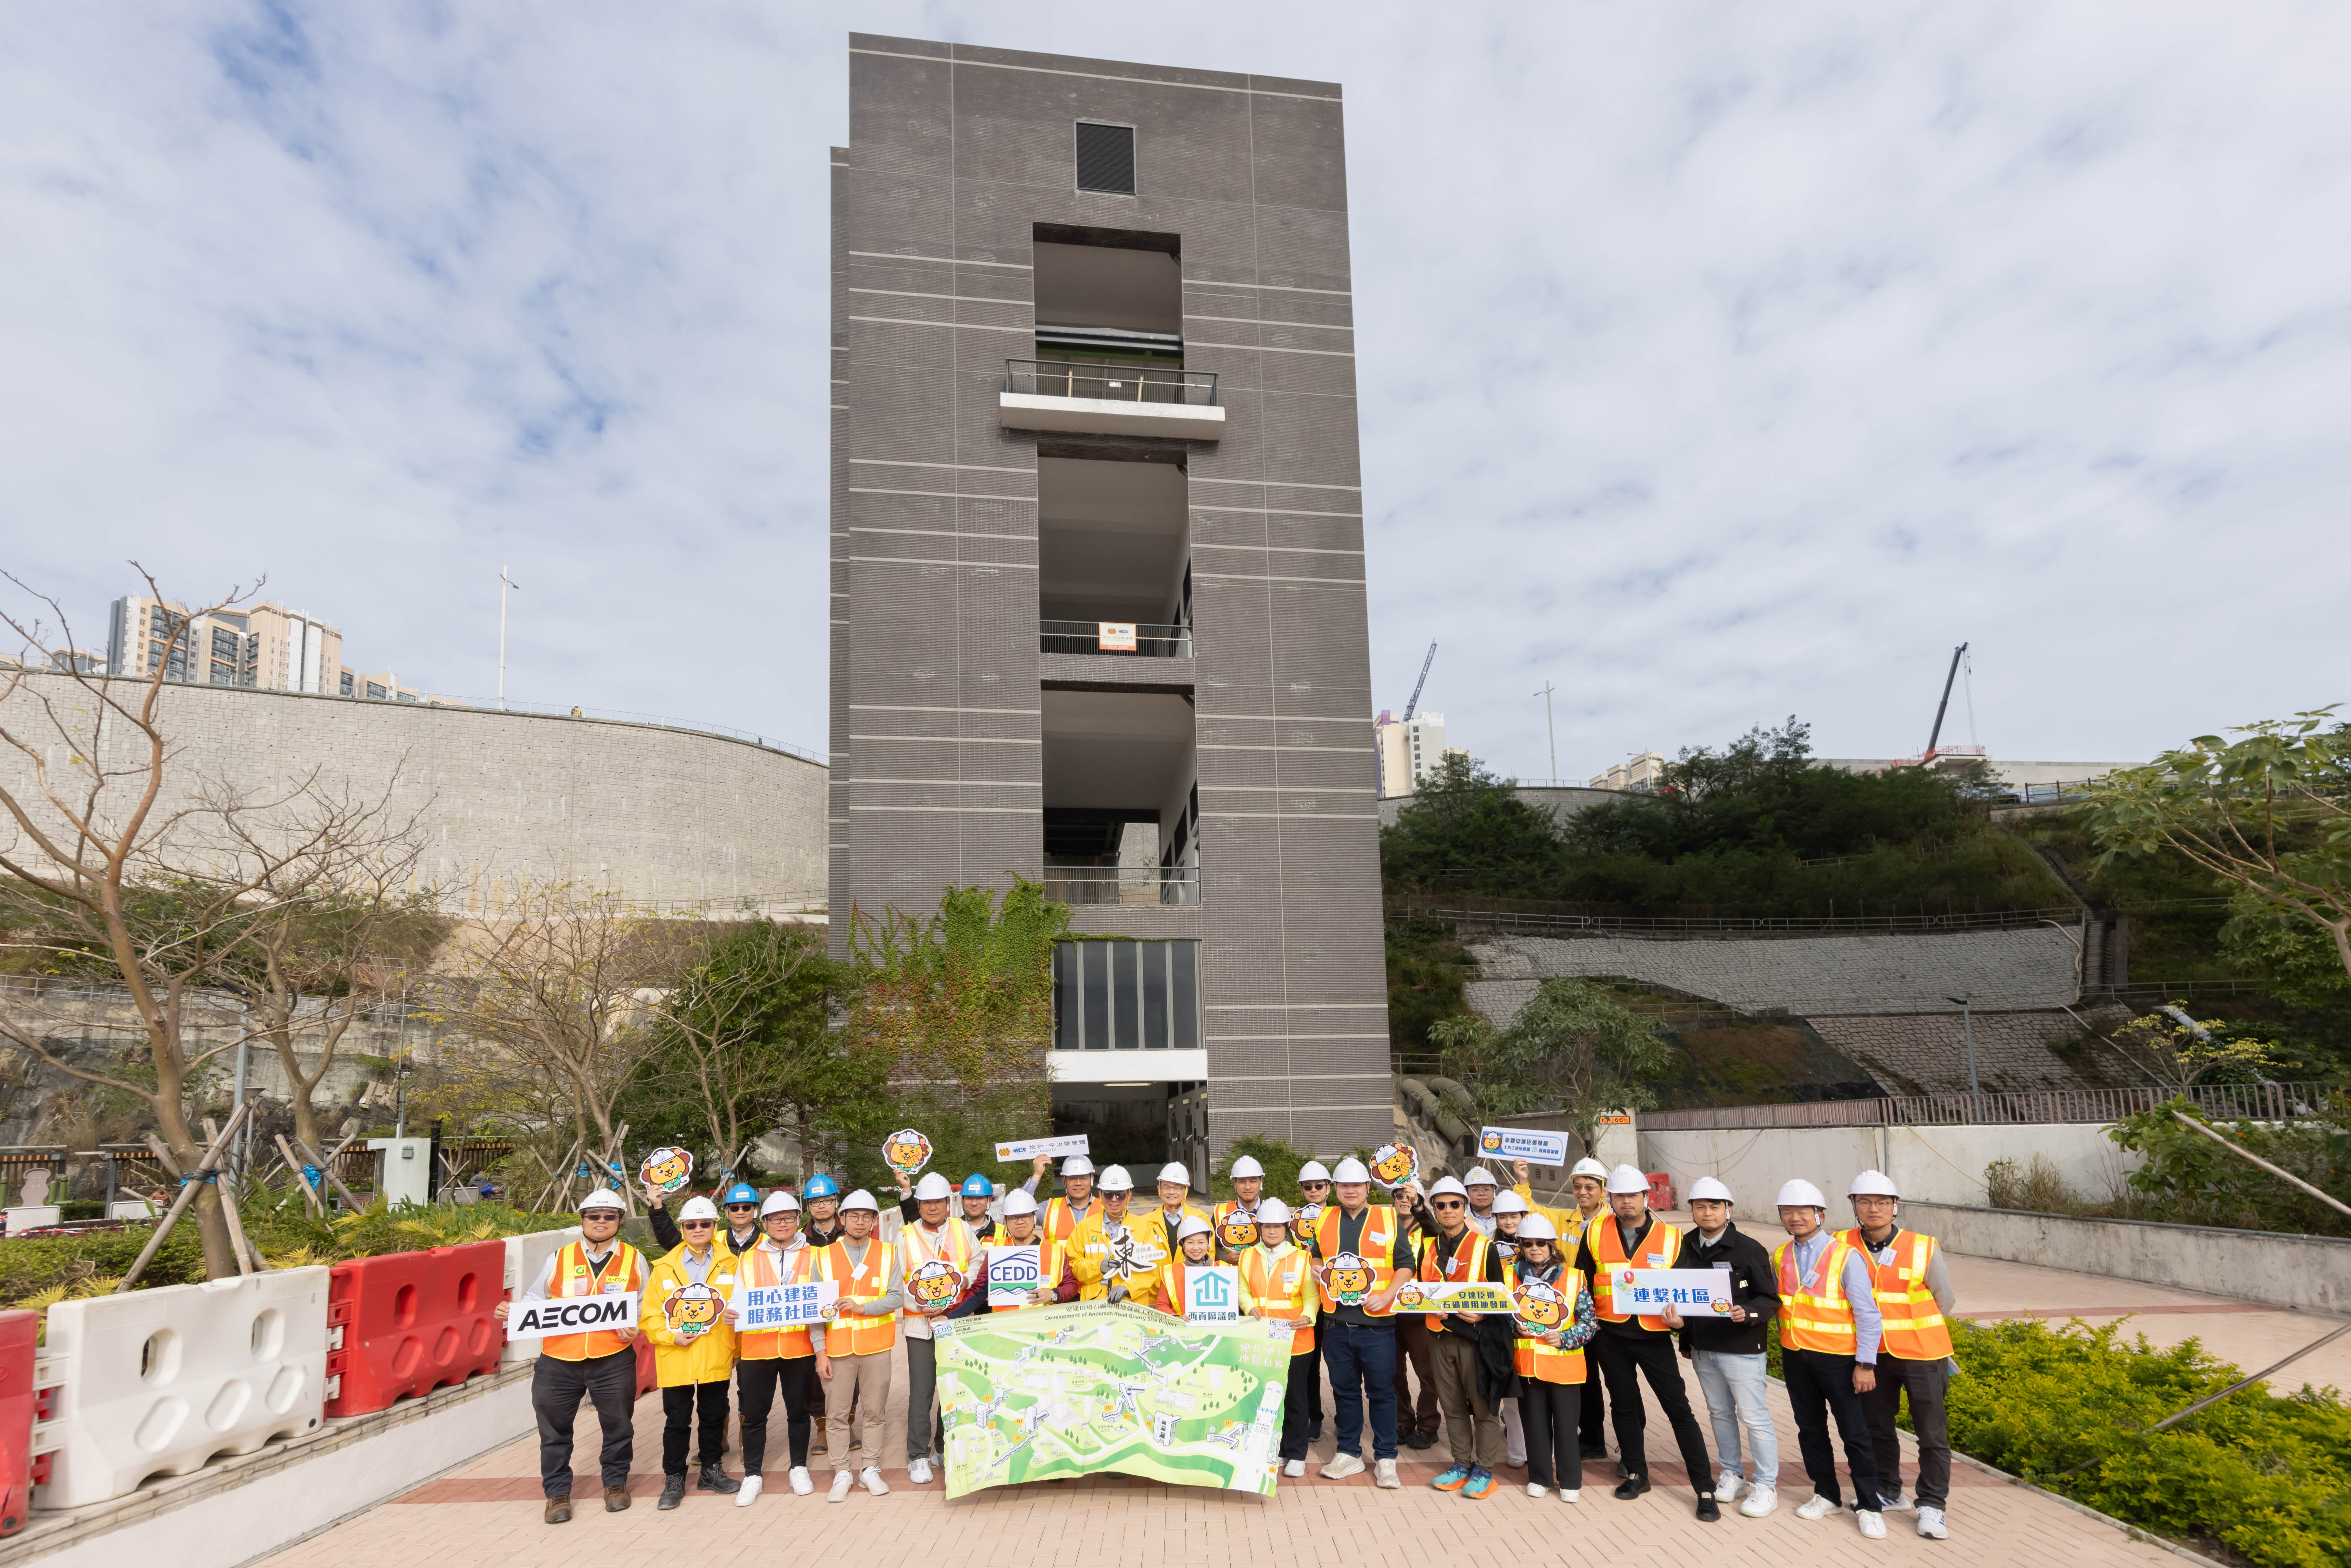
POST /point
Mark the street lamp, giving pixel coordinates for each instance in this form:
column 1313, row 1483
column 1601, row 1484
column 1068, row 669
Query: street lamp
column 507, row 585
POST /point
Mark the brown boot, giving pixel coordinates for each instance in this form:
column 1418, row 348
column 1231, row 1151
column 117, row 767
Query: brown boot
column 616, row 1499
column 559, row 1510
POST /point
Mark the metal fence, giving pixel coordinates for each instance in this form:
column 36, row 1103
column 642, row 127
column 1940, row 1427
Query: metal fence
column 2225, row 1102
column 1122, row 884
column 1150, row 641
column 1526, row 917
column 1118, row 383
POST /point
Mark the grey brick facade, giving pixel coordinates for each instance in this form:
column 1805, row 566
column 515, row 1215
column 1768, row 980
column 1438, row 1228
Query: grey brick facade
column 957, row 155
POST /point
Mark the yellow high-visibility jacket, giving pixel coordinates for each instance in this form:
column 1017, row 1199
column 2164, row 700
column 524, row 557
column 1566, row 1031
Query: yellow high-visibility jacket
column 706, row 1357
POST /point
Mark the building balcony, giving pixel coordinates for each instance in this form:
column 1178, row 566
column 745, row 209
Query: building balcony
column 1135, row 886
column 1070, row 396
column 1125, row 639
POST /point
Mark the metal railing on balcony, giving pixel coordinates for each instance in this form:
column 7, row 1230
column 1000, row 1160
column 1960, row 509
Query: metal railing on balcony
column 1116, row 383
column 1130, row 638
column 1134, row 884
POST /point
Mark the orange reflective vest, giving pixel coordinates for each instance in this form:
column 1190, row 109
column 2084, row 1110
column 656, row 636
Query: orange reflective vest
column 1820, row 1319
column 1049, row 1262
column 759, row 1269
column 1278, row 1282
column 1544, row 1363
column 850, row 1336
column 1060, row 1219
column 1376, row 1247
column 1469, row 1262
column 1915, row 1329
column 1659, row 1250
column 625, row 1271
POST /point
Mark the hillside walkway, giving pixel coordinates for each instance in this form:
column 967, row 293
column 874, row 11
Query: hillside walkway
column 486, row 1512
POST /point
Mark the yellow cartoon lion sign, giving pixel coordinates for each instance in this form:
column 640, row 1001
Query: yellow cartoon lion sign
column 666, row 1170
column 693, row 1310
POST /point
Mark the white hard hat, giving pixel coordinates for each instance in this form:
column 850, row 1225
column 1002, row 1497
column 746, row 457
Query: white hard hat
column 697, row 1209
column 1077, row 1165
column 1246, row 1166
column 1479, row 1176
column 1707, row 1187
column 1535, row 1227
column 933, row 1186
column 1875, row 1184
column 1178, row 1173
column 1020, row 1201
column 1445, row 1186
column 1351, row 1169
column 1193, row 1226
column 1314, row 1170
column 1590, row 1168
column 1508, row 1202
column 1114, row 1179
column 1802, row 1194
column 1627, row 1178
column 603, row 1198
column 861, row 1199
column 776, row 1202
column 1272, row 1212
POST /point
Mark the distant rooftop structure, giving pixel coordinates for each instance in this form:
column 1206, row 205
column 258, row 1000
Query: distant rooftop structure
column 264, row 646
column 1643, row 772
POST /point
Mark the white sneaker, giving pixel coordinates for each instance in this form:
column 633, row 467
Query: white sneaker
column 1570, row 1494
column 802, row 1482
column 1819, row 1508
column 1342, row 1466
column 1383, row 1474
column 1759, row 1500
column 1730, row 1487
column 1930, row 1524
column 873, row 1482
column 1536, row 1489
column 749, row 1490
column 1294, row 1469
column 1896, row 1503
column 841, row 1482
column 1872, row 1523
column 919, row 1471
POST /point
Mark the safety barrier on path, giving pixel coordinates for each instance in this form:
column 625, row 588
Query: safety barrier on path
column 406, row 1324
column 19, row 1336
column 159, row 1382
column 526, row 1256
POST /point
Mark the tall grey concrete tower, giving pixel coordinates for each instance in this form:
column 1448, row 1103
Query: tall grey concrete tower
column 1098, row 569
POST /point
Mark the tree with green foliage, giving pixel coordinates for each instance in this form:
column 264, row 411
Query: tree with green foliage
column 960, row 1005
column 2269, row 814
column 1574, row 1049
column 2194, row 1181
column 1465, row 828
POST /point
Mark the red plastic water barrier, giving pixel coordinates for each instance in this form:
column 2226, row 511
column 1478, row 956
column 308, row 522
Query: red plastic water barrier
column 20, row 1335
column 1661, row 1189
column 646, row 1377
column 409, row 1322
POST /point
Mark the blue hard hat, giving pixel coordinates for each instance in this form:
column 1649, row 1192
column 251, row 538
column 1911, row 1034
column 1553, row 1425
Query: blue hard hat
column 978, row 1186
column 821, row 1187
column 741, row 1192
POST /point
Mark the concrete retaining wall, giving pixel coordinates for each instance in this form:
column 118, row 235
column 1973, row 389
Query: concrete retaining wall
column 1931, row 1165
column 2311, row 1272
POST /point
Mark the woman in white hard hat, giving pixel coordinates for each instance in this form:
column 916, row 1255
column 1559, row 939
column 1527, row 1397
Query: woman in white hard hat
column 1511, row 1212
column 600, row 1366
column 1727, row 1352
column 1281, row 1281
column 1313, row 1192
column 1914, row 1301
column 1196, row 1244
column 689, row 1315
column 1587, row 1179
column 1548, row 1352
column 1829, row 1330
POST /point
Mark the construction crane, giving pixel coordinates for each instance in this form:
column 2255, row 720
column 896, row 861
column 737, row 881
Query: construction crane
column 1409, row 707
column 1950, row 676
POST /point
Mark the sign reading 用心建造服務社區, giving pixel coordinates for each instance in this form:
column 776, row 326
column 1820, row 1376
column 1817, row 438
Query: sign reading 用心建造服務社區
column 1535, row 1147
column 1086, row 1387
column 1700, row 1292
column 573, row 1314
column 760, row 1307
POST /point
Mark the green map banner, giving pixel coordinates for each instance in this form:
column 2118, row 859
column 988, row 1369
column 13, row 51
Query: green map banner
column 1089, row 1386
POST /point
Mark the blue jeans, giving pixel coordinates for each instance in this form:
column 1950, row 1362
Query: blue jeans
column 1735, row 1398
column 1362, row 1359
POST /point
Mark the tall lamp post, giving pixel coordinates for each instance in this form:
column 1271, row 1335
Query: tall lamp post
column 1968, row 1027
column 1550, row 730
column 507, row 585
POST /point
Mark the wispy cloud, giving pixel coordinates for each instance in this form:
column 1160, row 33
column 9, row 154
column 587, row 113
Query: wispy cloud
column 1716, row 363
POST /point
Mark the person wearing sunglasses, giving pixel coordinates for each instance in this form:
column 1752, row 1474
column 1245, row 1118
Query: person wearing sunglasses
column 1457, row 1252
column 689, row 1316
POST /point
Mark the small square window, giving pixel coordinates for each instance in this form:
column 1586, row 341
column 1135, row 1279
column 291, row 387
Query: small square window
column 1106, row 158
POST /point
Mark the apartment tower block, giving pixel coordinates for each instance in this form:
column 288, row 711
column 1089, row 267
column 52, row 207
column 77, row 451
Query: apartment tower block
column 1098, row 571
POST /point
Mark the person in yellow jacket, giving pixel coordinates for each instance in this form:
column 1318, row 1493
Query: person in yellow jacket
column 601, row 1366
column 1278, row 1278
column 690, row 1317
column 1159, row 1230
column 1106, row 1253
column 1195, row 1242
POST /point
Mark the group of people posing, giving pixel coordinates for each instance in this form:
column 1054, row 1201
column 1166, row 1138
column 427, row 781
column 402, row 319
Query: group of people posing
column 1860, row 1315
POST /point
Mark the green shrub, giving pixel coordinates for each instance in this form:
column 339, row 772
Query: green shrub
column 2270, row 1478
column 2192, row 1180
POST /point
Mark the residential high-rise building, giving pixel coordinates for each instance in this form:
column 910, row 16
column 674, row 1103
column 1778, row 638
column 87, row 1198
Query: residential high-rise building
column 1097, row 567
column 1410, row 750
column 1644, row 772
column 266, row 647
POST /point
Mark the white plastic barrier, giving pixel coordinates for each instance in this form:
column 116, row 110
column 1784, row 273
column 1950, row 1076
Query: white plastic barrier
column 33, row 1217
column 157, row 1383
column 526, row 1255
column 130, row 1209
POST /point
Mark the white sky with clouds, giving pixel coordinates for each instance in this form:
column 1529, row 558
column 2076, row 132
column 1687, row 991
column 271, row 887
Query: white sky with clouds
column 1717, row 362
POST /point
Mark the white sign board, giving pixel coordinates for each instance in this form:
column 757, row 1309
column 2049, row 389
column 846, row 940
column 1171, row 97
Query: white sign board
column 1013, row 1276
column 1695, row 1293
column 1029, row 1148
column 1115, row 636
column 759, row 1309
column 573, row 1314
column 1537, row 1148
column 1212, row 1293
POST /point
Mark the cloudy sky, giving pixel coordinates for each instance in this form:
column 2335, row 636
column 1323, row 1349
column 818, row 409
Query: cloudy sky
column 1717, row 363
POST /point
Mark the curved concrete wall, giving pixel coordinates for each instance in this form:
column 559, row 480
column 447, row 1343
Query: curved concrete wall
column 669, row 818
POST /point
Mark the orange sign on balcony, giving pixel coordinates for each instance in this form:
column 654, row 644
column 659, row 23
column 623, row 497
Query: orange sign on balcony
column 1116, row 636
